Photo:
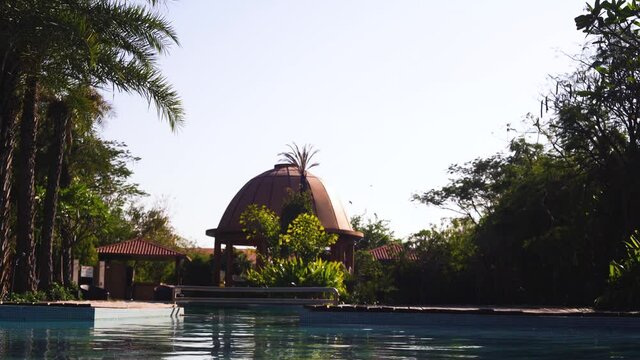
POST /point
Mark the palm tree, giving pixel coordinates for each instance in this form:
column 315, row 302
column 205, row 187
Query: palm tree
column 84, row 106
column 59, row 114
column 301, row 159
column 25, row 274
column 84, row 42
column 10, row 74
column 8, row 110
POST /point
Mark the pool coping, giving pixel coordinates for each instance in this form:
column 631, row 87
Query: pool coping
column 87, row 310
column 475, row 310
column 470, row 316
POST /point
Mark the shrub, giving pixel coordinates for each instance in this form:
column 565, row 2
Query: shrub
column 28, row 297
column 306, row 237
column 623, row 291
column 57, row 292
column 295, row 272
column 372, row 282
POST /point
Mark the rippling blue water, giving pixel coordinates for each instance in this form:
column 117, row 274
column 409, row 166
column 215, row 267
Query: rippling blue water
column 276, row 334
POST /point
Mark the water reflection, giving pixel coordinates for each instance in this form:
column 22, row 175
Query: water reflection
column 207, row 333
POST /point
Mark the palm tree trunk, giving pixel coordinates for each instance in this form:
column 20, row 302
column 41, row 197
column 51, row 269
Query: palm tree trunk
column 66, row 240
column 8, row 109
column 304, row 185
column 58, row 113
column 25, row 271
column 65, row 255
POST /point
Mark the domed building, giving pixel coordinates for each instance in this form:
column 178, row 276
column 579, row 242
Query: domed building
column 270, row 189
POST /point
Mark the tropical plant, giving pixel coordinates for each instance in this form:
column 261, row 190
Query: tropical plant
column 623, row 290
column 306, row 238
column 260, row 223
column 298, row 273
column 292, row 257
column 65, row 43
column 301, row 159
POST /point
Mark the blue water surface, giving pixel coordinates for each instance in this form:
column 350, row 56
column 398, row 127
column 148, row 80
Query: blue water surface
column 212, row 333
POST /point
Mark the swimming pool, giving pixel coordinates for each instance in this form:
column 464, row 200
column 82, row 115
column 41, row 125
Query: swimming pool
column 276, row 333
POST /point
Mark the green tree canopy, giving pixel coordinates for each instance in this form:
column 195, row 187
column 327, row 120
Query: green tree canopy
column 376, row 232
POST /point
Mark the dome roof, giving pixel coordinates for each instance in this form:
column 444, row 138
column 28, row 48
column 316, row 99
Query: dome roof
column 270, row 189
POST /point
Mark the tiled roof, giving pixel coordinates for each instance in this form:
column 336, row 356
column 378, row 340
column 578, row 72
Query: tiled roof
column 138, row 247
column 392, row 252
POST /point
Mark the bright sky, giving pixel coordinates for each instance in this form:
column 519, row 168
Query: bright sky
column 391, row 92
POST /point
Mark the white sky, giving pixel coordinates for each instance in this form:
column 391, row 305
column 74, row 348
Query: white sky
column 391, row 92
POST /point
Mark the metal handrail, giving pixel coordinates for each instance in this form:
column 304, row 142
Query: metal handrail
column 178, row 296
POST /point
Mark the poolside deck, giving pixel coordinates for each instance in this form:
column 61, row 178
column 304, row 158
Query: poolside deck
column 479, row 310
column 88, row 311
column 116, row 304
column 486, row 316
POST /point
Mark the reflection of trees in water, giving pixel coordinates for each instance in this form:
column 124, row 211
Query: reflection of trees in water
column 265, row 335
column 153, row 337
column 221, row 333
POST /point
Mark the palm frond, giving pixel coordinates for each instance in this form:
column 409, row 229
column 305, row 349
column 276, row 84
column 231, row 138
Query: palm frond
column 300, row 157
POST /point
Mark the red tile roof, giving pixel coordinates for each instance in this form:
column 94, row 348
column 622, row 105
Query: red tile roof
column 392, row 252
column 138, row 247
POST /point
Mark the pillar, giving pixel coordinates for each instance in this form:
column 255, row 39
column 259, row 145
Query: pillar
column 217, row 258
column 334, row 252
column 349, row 258
column 178, row 270
column 75, row 271
column 98, row 275
column 228, row 274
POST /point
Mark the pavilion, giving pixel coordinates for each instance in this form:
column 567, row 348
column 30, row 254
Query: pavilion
column 270, row 189
column 118, row 278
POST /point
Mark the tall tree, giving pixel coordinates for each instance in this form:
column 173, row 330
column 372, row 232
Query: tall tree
column 11, row 40
column 595, row 117
column 25, row 271
column 376, row 232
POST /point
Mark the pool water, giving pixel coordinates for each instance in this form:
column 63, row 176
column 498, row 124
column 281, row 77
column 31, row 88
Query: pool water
column 276, row 334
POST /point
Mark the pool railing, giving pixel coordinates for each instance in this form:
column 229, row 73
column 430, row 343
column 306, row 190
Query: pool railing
column 184, row 294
